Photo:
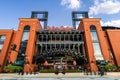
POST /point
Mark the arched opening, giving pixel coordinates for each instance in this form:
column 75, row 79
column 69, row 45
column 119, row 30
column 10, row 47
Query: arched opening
column 22, row 50
column 96, row 44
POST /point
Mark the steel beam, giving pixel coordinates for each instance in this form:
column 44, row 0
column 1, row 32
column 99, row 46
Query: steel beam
column 76, row 18
column 44, row 17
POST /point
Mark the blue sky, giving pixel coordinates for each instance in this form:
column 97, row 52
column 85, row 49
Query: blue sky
column 59, row 11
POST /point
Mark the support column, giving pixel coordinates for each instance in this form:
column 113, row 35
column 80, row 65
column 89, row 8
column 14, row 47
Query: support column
column 50, row 46
column 73, row 37
column 78, row 48
column 69, row 37
column 41, row 48
column 69, row 46
column 78, row 37
column 51, row 37
column 46, row 37
column 73, row 46
column 65, row 46
column 60, row 37
column 64, row 37
column 46, row 46
column 55, row 46
column 55, row 36
column 83, row 49
column 60, row 46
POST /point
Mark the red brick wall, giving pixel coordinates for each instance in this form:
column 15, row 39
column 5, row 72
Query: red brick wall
column 85, row 25
column 114, row 38
column 30, row 49
column 5, row 48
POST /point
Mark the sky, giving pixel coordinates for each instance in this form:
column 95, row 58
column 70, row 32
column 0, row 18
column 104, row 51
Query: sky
column 59, row 11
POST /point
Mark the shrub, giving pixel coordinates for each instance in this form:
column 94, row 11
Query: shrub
column 13, row 68
column 118, row 68
column 47, row 71
column 110, row 68
column 73, row 71
column 54, row 71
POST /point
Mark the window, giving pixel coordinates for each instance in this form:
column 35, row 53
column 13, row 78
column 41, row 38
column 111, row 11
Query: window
column 26, row 33
column 25, row 36
column 94, row 36
column 1, row 46
column 2, row 38
column 97, row 51
column 96, row 44
column 24, row 39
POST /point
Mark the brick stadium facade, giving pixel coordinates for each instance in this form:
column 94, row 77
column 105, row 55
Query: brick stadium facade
column 33, row 47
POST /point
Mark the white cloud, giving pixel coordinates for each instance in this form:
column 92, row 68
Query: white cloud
column 71, row 4
column 105, row 7
column 115, row 23
column 91, row 17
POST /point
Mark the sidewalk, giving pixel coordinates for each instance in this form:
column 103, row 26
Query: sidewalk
column 60, row 75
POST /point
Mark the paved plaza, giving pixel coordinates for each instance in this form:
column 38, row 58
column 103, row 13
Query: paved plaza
column 63, row 79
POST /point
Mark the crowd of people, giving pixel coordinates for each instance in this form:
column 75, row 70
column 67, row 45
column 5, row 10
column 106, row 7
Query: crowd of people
column 100, row 72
